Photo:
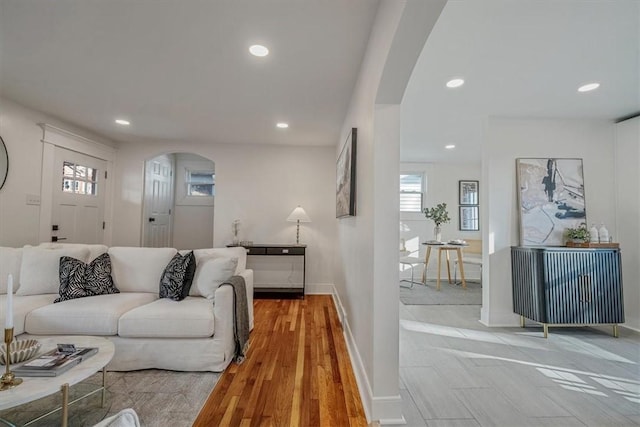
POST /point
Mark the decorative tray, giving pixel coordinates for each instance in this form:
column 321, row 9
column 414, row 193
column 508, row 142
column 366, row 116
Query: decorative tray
column 19, row 350
column 592, row 245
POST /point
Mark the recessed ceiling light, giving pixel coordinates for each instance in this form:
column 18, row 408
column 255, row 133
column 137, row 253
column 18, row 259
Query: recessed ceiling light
column 123, row 122
column 282, row 125
column 455, row 83
column 258, row 50
column 588, row 87
column 450, row 147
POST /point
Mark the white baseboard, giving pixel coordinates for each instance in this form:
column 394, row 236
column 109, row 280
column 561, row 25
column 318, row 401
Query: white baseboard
column 319, row 289
column 385, row 409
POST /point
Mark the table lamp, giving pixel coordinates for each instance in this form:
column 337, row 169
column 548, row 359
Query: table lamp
column 298, row 215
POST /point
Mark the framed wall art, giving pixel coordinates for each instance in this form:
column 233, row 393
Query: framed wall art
column 550, row 199
column 469, row 218
column 346, row 177
column 468, row 192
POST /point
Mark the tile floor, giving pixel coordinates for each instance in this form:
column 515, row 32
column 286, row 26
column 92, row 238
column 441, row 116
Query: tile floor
column 455, row 372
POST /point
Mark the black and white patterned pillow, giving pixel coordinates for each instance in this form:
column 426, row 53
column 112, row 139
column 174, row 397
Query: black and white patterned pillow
column 177, row 277
column 78, row 279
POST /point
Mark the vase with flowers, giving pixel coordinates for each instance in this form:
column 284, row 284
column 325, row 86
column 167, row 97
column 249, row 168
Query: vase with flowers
column 439, row 216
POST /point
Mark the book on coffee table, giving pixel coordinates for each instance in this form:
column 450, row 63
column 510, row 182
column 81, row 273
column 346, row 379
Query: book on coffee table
column 53, row 363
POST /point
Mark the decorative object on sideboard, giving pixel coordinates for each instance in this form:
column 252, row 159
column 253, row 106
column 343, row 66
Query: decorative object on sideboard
column 550, row 199
column 439, row 215
column 346, row 177
column 579, row 234
column 593, row 231
column 298, row 215
column 603, row 234
column 235, row 229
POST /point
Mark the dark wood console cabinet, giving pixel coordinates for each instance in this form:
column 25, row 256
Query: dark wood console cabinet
column 279, row 250
column 567, row 286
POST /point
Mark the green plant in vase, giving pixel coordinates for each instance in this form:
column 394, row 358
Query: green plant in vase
column 439, row 216
column 579, row 234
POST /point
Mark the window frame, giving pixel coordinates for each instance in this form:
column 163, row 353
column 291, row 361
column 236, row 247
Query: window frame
column 422, row 193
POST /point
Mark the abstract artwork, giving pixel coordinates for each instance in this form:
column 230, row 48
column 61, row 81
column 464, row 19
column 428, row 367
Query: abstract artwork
column 346, row 178
column 550, row 199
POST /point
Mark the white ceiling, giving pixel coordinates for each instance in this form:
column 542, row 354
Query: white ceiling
column 519, row 58
column 180, row 69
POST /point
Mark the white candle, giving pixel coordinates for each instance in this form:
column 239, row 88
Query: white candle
column 8, row 324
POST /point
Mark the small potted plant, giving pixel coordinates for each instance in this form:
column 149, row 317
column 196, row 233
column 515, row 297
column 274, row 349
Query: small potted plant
column 440, row 216
column 579, row 234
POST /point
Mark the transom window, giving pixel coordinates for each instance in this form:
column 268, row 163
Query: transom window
column 411, row 192
column 79, row 179
column 200, row 183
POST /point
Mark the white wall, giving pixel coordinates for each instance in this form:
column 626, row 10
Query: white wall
column 627, row 232
column 258, row 184
column 507, row 139
column 441, row 187
column 19, row 222
column 366, row 255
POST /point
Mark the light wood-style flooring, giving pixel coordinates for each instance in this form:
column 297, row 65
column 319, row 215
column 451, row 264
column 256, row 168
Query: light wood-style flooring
column 297, row 371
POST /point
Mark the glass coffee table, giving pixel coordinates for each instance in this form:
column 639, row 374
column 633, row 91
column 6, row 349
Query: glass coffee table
column 33, row 388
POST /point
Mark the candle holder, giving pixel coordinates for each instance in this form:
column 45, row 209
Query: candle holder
column 8, row 379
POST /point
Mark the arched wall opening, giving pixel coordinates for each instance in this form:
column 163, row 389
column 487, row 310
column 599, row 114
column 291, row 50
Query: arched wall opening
column 178, row 201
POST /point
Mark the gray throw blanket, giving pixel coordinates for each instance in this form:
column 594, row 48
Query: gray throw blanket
column 240, row 317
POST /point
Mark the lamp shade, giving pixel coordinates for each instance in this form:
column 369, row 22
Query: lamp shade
column 298, row 214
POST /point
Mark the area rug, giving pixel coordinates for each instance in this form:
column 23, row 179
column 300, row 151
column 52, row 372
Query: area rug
column 160, row 398
column 447, row 295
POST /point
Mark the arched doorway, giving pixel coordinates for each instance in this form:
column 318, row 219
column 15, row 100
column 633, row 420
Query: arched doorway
column 178, row 202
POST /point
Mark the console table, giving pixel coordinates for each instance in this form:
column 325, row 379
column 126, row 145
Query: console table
column 279, row 250
column 567, row 286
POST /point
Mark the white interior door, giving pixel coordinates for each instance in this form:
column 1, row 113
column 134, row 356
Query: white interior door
column 79, row 187
column 158, row 202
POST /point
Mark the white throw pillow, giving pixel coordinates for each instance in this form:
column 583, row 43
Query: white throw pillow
column 211, row 273
column 233, row 252
column 10, row 260
column 40, row 269
column 125, row 418
column 139, row 269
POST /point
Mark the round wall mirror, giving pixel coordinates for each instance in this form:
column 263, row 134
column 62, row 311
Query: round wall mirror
column 4, row 162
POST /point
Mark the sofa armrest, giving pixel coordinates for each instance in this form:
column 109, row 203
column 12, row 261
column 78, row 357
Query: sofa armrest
column 248, row 281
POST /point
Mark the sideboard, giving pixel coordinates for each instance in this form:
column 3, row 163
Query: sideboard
column 560, row 286
column 279, row 250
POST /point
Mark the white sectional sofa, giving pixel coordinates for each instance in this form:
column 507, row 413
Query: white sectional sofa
column 195, row 334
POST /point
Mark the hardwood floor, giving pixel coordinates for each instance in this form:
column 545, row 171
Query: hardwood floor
column 297, row 371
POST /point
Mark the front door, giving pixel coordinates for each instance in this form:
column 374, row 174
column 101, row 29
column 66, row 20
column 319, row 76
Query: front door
column 79, row 187
column 158, row 202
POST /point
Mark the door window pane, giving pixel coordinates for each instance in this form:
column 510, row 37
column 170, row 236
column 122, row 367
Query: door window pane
column 79, row 179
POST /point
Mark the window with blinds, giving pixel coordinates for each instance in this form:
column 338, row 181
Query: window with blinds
column 411, row 191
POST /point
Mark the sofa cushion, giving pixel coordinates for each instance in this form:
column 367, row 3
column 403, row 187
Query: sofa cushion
column 177, row 277
column 78, row 279
column 234, row 252
column 139, row 269
column 164, row 318
column 211, row 273
column 10, row 261
column 40, row 266
column 96, row 315
column 22, row 305
column 94, row 250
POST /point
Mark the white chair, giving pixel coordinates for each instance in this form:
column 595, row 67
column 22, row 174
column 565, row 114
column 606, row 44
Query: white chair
column 472, row 255
column 411, row 261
